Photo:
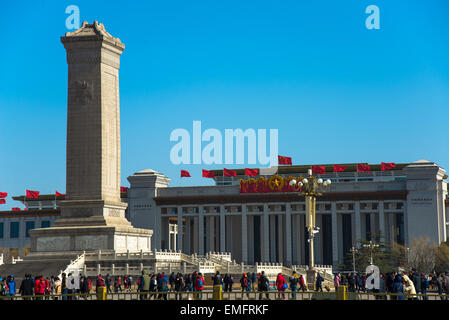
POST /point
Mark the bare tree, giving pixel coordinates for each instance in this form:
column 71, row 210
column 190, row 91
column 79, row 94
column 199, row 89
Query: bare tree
column 442, row 257
column 421, row 255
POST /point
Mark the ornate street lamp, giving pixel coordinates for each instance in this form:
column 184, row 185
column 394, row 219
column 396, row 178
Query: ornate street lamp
column 371, row 247
column 311, row 188
column 353, row 250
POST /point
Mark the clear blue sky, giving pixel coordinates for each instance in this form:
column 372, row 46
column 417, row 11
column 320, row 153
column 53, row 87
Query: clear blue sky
column 336, row 91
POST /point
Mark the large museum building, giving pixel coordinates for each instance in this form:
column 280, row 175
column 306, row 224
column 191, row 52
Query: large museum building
column 407, row 202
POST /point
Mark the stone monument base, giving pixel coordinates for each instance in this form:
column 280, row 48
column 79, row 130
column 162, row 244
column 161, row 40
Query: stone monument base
column 90, row 238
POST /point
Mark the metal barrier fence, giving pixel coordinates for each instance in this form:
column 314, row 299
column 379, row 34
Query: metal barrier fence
column 234, row 295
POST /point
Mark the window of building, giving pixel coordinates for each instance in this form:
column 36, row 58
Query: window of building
column 14, row 233
column 45, row 224
column 1, row 230
column 28, row 226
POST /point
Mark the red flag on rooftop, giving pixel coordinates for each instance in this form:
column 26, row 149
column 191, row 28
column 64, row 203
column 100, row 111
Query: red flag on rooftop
column 362, row 167
column 251, row 172
column 284, row 160
column 339, row 168
column 2, row 201
column 59, row 194
column 15, row 209
column 185, row 174
column 3, row 194
column 208, row 174
column 32, row 194
column 123, row 189
column 387, row 166
column 229, row 173
column 318, row 170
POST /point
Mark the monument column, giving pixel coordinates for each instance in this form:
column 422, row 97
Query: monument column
column 93, row 215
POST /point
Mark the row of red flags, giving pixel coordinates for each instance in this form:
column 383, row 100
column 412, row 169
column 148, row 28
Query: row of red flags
column 315, row 170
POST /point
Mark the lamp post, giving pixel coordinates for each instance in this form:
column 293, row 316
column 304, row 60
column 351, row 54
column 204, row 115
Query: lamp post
column 310, row 188
column 353, row 250
column 371, row 247
column 408, row 257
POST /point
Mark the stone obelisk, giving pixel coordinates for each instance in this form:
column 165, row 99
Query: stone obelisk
column 93, row 215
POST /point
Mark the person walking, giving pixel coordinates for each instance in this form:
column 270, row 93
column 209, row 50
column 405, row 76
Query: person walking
column 172, row 281
column 230, row 282
column 144, row 286
column 244, row 282
column 188, row 283
column 409, row 287
column 319, row 282
column 263, row 285
column 57, row 287
column 253, row 281
column 11, row 286
column 153, row 286
column 199, row 285
column 398, row 287
column 281, row 285
column 217, row 279
column 225, row 282
column 337, row 281
column 424, row 285
column 164, row 286
column 26, row 287
column 302, row 284
column 108, row 281
column 179, row 285
column 415, row 277
column 294, row 280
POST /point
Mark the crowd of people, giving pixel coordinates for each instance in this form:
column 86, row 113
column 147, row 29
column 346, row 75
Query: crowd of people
column 68, row 286
column 156, row 286
column 410, row 283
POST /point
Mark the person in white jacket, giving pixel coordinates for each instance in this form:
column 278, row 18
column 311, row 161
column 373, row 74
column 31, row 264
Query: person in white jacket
column 409, row 287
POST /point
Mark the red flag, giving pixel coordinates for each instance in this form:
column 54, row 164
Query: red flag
column 2, row 201
column 32, row 194
column 362, row 168
column 208, row 174
column 339, row 168
column 59, row 194
column 123, row 189
column 387, row 166
column 251, row 172
column 318, row 170
column 284, row 160
column 185, row 173
column 3, row 194
column 15, row 209
column 229, row 173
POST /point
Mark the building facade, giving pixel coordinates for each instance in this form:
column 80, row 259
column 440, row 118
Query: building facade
column 408, row 202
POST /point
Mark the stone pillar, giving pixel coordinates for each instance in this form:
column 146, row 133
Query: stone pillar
column 180, row 231
column 200, row 231
column 273, row 240
column 288, row 227
column 222, row 229
column 357, row 221
column 334, row 233
column 383, row 234
column 266, row 234
column 187, row 236
column 250, row 235
column 244, row 235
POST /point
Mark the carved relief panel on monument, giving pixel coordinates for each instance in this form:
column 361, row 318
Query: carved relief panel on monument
column 81, row 92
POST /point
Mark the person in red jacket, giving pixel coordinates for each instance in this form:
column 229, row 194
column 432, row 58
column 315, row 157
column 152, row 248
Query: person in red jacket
column 199, row 285
column 37, row 280
column 280, row 285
